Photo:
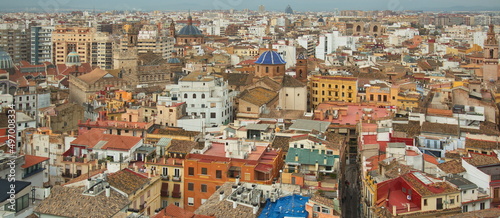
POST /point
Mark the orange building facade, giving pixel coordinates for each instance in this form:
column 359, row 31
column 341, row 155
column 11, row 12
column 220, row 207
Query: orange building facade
column 205, row 173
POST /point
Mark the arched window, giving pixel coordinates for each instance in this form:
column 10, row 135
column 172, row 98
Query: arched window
column 492, row 52
column 267, row 69
column 375, row 29
column 203, row 96
column 194, row 95
column 358, row 28
column 300, row 73
column 185, row 95
column 278, row 69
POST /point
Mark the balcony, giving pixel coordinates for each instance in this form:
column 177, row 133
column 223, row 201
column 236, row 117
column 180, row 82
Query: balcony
column 74, row 159
column 176, row 179
column 350, row 90
column 165, row 178
column 33, row 173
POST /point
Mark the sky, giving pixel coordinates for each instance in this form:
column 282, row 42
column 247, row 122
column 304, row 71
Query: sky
column 274, row 5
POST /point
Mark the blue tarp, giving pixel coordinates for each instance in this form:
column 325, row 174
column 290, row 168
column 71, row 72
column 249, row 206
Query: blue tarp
column 289, row 206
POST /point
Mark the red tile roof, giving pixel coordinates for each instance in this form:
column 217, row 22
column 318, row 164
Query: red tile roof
column 31, row 160
column 115, row 142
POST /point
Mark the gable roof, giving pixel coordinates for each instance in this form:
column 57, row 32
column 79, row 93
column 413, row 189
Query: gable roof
column 94, row 76
column 127, row 181
column 70, row 202
column 273, row 85
column 476, row 159
column 97, row 139
column 258, row 96
column 452, row 167
column 289, row 81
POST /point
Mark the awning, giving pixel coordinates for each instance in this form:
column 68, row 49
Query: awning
column 176, row 193
column 234, row 168
column 164, row 189
column 264, row 168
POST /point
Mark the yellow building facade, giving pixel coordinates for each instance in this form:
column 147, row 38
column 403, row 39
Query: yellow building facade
column 68, row 39
column 333, row 88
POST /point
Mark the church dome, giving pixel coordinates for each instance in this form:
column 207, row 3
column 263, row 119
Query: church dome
column 5, row 60
column 73, row 59
column 190, row 30
column 270, row 57
column 173, row 61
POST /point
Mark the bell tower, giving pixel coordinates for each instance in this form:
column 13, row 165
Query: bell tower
column 301, row 68
column 490, row 54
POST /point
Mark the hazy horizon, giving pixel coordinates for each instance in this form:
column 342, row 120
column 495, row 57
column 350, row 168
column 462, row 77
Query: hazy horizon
column 277, row 5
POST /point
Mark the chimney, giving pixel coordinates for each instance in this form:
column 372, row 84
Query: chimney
column 296, row 157
column 237, row 180
column 108, row 191
column 394, row 210
column 324, row 160
column 330, row 118
column 255, row 208
column 221, row 195
column 89, row 180
column 235, row 204
column 408, row 206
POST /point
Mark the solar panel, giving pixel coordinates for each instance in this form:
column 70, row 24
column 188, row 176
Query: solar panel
column 422, row 178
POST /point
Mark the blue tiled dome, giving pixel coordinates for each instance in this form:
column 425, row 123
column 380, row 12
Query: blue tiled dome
column 5, row 60
column 73, row 59
column 173, row 61
column 190, row 30
column 270, row 57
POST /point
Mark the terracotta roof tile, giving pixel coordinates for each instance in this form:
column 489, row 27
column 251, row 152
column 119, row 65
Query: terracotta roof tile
column 481, row 144
column 70, row 202
column 258, row 96
column 31, row 160
column 127, row 181
column 452, row 167
column 476, row 159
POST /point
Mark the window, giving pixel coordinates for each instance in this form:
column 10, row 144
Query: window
column 191, row 171
column 465, row 191
column 212, row 115
column 325, row 210
column 203, row 188
column 465, row 209
column 217, row 187
column 425, row 202
column 177, row 172
column 164, row 203
column 452, row 201
column 190, row 201
column 177, row 204
column 20, row 204
column 203, row 201
column 164, row 171
column 185, row 95
column 194, row 95
column 190, row 186
column 204, row 171
column 218, row 174
column 316, row 208
column 249, row 109
column 482, row 206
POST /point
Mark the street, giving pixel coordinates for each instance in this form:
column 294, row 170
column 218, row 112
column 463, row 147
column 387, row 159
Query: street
column 351, row 193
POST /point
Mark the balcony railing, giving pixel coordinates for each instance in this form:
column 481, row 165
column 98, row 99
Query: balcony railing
column 165, row 178
column 176, row 194
column 33, row 172
column 176, row 178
